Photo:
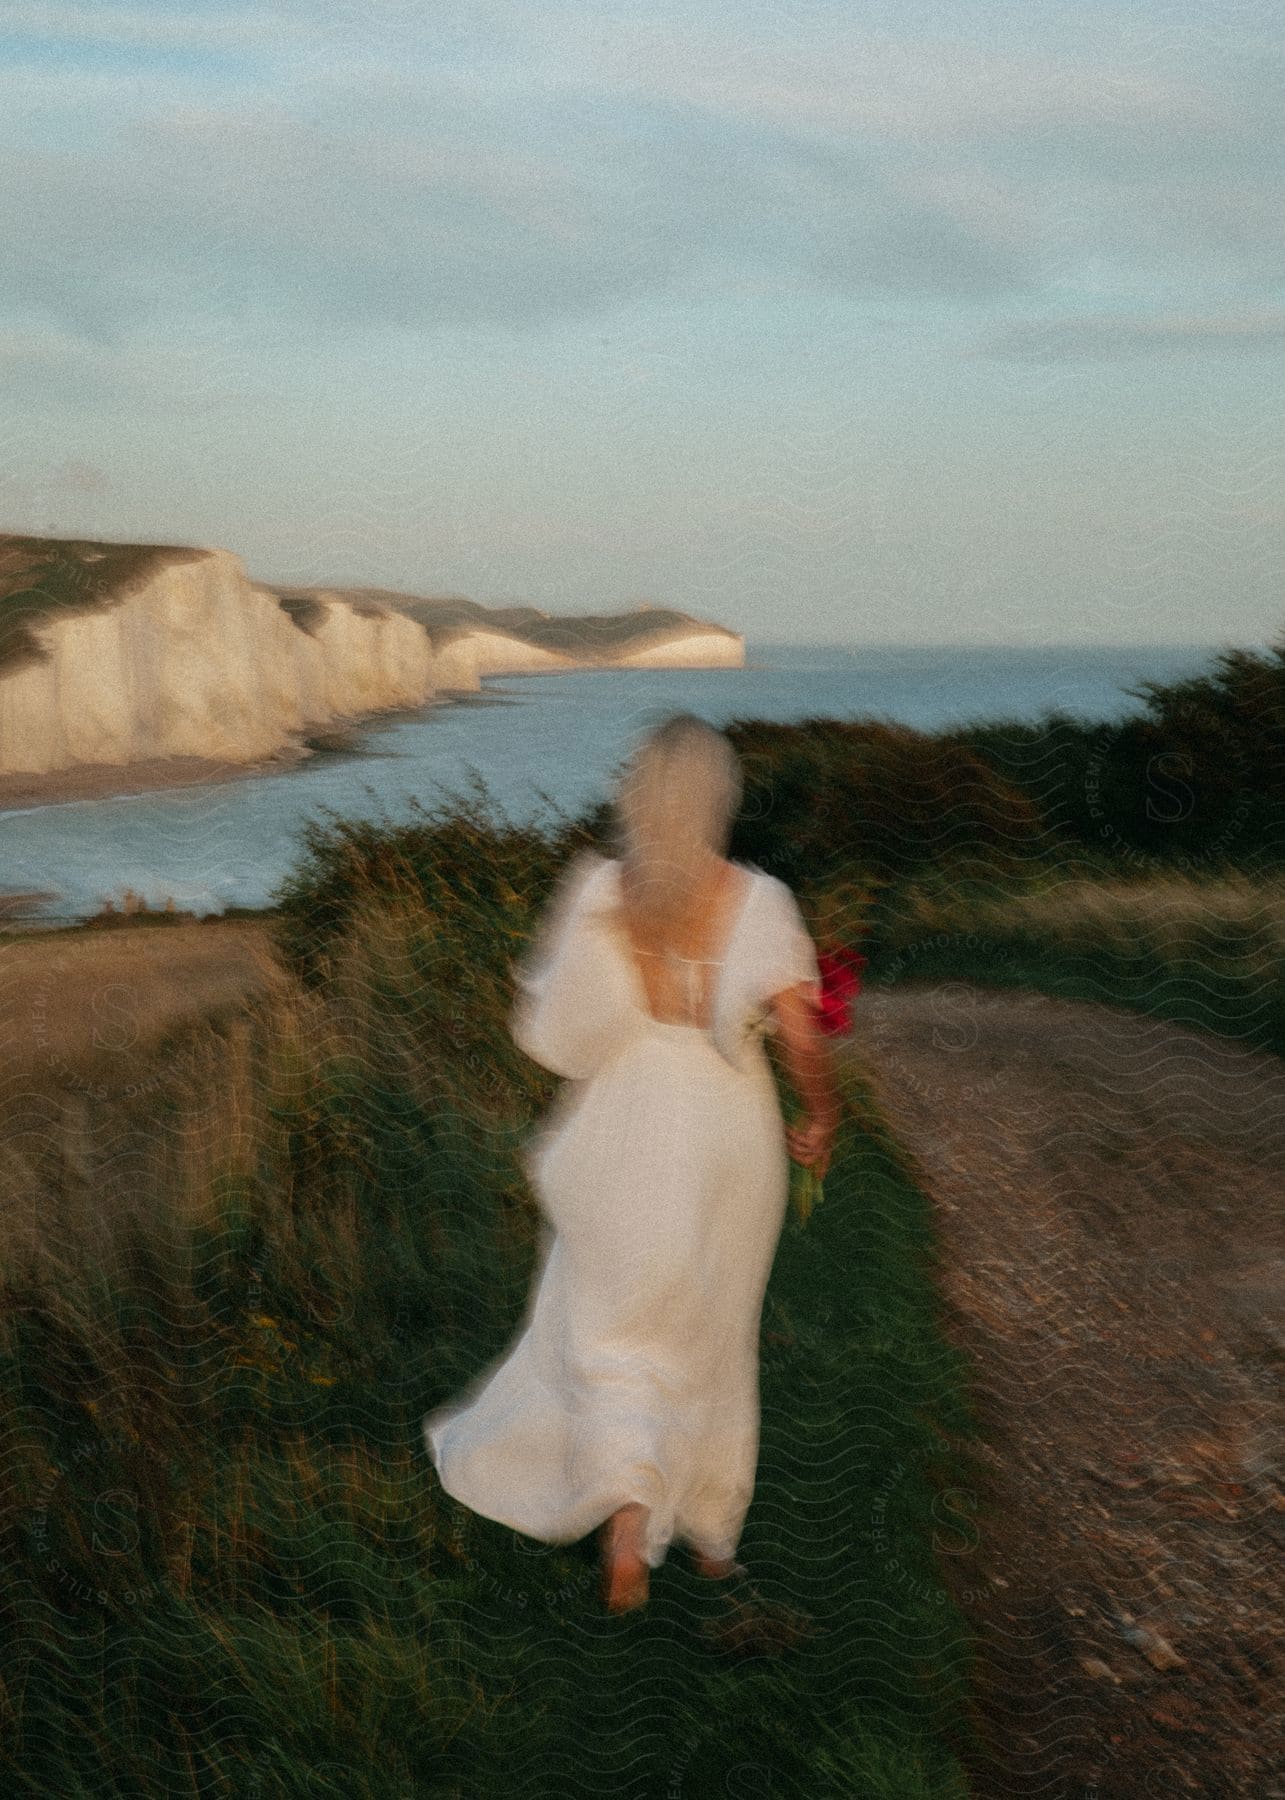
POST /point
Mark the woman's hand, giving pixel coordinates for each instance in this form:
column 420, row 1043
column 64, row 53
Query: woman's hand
column 811, row 1142
column 810, row 1062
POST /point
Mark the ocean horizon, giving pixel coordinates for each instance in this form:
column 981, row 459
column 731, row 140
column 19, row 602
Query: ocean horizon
column 561, row 734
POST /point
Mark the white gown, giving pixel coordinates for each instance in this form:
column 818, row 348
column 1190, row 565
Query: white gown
column 662, row 1176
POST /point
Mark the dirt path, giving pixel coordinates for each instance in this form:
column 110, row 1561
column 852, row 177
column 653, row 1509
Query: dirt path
column 1108, row 1197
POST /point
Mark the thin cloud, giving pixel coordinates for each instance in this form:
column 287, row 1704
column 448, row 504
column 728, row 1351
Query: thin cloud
column 130, row 28
column 480, row 214
column 64, row 370
column 1082, row 339
column 566, row 172
column 920, row 92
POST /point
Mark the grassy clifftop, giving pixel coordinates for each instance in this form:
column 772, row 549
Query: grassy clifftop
column 245, row 1258
column 43, row 577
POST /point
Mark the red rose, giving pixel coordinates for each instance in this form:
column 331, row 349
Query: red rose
column 840, row 984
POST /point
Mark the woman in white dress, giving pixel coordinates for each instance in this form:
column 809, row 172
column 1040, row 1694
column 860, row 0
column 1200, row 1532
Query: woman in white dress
column 629, row 1396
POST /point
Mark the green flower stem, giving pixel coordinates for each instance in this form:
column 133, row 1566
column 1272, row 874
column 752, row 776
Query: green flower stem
column 807, row 1190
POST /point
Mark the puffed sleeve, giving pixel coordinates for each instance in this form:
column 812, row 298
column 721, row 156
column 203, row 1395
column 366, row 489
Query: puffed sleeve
column 786, row 954
column 569, row 1012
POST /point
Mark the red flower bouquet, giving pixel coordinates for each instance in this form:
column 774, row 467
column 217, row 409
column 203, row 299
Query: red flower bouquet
column 841, row 972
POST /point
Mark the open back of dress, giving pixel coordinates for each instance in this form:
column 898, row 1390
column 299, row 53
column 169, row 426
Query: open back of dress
column 694, row 977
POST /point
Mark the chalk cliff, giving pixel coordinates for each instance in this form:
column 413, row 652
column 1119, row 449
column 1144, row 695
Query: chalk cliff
column 692, row 649
column 116, row 654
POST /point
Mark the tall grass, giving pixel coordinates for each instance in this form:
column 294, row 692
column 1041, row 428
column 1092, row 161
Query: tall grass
column 231, row 1570
column 1207, row 951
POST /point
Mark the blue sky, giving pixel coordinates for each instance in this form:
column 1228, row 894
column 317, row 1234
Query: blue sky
column 867, row 323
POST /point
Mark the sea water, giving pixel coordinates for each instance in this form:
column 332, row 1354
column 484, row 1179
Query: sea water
column 564, row 736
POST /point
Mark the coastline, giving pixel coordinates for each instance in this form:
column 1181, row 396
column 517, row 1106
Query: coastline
column 23, row 904
column 158, row 774
column 83, row 782
column 118, row 781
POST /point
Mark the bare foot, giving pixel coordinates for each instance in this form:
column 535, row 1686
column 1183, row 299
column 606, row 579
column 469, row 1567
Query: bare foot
column 626, row 1574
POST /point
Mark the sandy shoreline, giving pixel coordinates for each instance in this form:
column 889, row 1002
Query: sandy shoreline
column 113, row 781
column 109, row 781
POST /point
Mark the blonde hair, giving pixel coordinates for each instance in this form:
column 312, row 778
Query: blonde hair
column 673, row 812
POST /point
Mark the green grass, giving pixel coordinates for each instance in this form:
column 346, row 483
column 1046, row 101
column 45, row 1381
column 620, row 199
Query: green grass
column 1205, row 951
column 230, row 1567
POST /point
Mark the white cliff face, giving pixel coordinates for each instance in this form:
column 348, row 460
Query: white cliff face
column 200, row 661
column 697, row 650
column 360, row 659
column 460, row 661
column 196, row 660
